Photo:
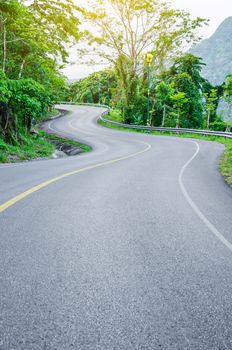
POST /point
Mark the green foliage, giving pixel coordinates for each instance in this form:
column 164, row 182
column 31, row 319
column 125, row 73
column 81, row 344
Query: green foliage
column 52, row 137
column 210, row 106
column 38, row 31
column 96, row 88
column 29, row 101
column 226, row 163
column 5, row 94
column 129, row 95
column 163, row 102
column 218, row 125
column 126, row 29
column 179, row 101
column 185, row 77
column 23, row 101
column 34, row 37
column 178, row 95
column 115, row 115
column 31, row 147
column 228, row 89
column 207, row 87
column 190, row 65
column 228, row 93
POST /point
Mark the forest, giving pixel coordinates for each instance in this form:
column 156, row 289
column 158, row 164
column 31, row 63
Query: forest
column 165, row 90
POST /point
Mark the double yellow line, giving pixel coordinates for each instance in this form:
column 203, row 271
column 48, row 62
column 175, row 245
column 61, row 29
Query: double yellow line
column 34, row 189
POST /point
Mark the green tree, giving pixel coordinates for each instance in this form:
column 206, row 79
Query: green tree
column 185, row 76
column 34, row 41
column 58, row 22
column 179, row 101
column 163, row 98
column 206, row 88
column 39, row 31
column 124, row 30
column 4, row 91
column 193, row 109
column 96, row 88
column 28, row 101
column 191, row 65
column 228, row 93
column 210, row 106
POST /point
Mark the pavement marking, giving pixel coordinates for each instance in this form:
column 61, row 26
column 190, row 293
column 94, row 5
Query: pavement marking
column 34, row 189
column 195, row 208
column 81, row 130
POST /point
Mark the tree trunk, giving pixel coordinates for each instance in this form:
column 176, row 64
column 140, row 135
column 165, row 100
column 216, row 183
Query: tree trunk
column 4, row 49
column 229, row 108
column 21, row 68
column 208, row 119
column 178, row 119
column 164, row 116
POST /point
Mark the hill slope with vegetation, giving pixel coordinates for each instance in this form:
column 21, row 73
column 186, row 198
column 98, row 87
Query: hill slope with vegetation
column 34, row 37
column 216, row 52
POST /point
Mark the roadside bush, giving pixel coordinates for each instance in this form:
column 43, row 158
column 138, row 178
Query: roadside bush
column 218, row 125
column 28, row 101
column 21, row 102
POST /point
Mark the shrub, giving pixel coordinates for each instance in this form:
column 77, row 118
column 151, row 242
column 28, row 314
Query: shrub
column 28, row 101
column 218, row 125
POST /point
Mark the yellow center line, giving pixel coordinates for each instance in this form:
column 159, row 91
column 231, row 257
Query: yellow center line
column 34, row 189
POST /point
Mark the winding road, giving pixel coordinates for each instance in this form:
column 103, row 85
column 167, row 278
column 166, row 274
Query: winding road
column 128, row 246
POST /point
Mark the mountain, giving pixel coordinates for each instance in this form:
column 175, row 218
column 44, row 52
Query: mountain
column 217, row 53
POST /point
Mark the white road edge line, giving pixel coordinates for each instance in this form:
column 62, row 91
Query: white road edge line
column 195, row 208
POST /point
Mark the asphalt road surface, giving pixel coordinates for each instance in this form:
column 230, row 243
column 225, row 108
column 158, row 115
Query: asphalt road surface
column 125, row 247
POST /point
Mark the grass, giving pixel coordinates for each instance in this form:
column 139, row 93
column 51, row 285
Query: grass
column 53, row 113
column 115, row 115
column 225, row 161
column 34, row 146
column 30, row 147
column 53, row 137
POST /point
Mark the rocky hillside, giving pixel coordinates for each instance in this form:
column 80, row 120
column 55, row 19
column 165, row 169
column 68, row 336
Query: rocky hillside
column 217, row 53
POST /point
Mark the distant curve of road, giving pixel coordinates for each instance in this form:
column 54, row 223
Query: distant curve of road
column 128, row 246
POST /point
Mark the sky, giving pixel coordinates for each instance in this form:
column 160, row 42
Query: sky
column 214, row 10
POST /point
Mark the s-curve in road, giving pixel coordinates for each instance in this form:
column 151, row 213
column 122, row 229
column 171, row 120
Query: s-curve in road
column 126, row 247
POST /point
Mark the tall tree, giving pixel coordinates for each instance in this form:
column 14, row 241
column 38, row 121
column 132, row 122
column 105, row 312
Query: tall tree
column 186, row 77
column 228, row 93
column 124, row 30
column 163, row 98
column 41, row 30
column 96, row 88
column 210, row 105
column 179, row 100
column 190, row 64
column 34, row 40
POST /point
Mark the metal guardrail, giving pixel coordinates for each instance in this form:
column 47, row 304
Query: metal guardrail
column 152, row 128
column 83, row 104
column 170, row 130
